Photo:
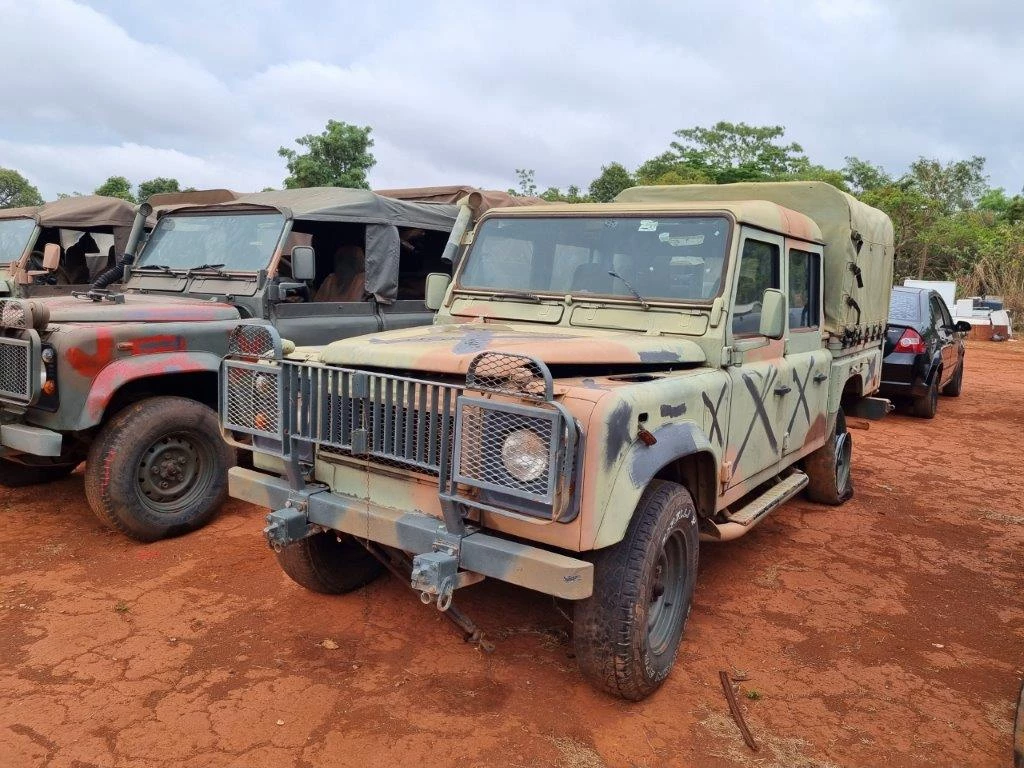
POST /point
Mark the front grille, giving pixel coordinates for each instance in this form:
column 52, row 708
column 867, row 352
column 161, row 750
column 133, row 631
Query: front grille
column 406, row 421
column 393, row 419
column 16, row 369
column 483, row 436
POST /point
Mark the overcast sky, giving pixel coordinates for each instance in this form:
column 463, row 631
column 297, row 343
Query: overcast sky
column 465, row 92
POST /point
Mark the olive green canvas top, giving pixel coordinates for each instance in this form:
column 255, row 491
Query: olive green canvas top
column 342, row 204
column 77, row 212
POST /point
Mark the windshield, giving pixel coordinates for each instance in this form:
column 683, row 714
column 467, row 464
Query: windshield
column 243, row 242
column 14, row 235
column 675, row 258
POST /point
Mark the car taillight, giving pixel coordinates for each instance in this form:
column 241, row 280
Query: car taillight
column 911, row 341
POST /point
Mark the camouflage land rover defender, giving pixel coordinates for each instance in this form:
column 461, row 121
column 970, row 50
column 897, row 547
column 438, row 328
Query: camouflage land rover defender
column 604, row 386
column 127, row 380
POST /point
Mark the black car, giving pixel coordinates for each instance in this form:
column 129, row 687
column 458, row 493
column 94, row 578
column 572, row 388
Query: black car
column 924, row 350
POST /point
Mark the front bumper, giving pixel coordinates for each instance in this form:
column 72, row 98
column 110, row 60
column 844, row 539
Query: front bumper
column 25, row 439
column 528, row 566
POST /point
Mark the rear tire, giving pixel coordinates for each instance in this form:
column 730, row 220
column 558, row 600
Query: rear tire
column 159, row 468
column 15, row 475
column 956, row 384
column 627, row 633
column 829, row 468
column 925, row 406
column 329, row 564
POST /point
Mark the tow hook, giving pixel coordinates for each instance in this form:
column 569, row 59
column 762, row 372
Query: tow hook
column 435, row 576
column 288, row 525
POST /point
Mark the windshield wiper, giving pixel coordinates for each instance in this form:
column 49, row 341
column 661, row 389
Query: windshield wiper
column 634, row 291
column 515, row 296
column 215, row 268
column 158, row 267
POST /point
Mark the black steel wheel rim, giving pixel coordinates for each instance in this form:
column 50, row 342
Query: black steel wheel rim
column 665, row 612
column 175, row 471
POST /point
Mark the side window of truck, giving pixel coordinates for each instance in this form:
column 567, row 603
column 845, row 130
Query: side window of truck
column 759, row 270
column 804, row 289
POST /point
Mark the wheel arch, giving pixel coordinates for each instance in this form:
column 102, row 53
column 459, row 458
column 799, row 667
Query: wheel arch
column 191, row 375
column 681, row 454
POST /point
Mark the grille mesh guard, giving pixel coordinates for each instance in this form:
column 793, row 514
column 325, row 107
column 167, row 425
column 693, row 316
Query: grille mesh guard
column 19, row 368
column 510, row 374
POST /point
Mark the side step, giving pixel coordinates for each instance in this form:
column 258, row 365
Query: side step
column 754, row 511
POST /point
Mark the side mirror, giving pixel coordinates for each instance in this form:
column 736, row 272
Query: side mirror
column 773, row 314
column 303, row 263
column 51, row 257
column 962, row 326
column 437, row 286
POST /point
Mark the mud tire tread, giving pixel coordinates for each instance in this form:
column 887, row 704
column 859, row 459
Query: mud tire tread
column 609, row 631
column 113, row 454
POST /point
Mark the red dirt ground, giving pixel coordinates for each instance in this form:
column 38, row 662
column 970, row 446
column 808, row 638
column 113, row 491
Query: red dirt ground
column 887, row 632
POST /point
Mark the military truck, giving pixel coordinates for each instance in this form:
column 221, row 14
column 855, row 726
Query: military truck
column 61, row 246
column 605, row 386
column 127, row 380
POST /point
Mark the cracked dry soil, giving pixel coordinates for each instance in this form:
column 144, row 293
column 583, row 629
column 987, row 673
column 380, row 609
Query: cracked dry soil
column 886, row 632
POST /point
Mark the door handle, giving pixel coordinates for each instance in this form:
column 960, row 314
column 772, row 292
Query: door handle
column 785, row 389
column 820, row 377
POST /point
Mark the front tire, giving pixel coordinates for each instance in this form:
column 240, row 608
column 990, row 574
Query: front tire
column 829, row 468
column 956, row 384
column 15, row 475
column 329, row 564
column 158, row 469
column 627, row 633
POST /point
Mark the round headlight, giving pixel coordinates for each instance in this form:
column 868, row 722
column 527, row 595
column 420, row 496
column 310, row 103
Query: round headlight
column 525, row 455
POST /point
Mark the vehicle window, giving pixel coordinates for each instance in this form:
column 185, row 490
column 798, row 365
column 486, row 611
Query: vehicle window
column 420, row 254
column 946, row 317
column 804, row 289
column 904, row 307
column 242, row 242
column 758, row 271
column 14, row 235
column 936, row 310
column 677, row 258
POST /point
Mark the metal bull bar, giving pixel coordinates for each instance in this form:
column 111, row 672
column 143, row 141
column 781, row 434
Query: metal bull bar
column 292, row 407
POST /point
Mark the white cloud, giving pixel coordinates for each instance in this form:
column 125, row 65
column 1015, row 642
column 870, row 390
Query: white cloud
column 466, row 92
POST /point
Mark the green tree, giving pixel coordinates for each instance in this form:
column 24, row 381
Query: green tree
column 613, row 179
column 159, row 185
column 571, row 195
column 338, row 157
column 16, row 191
column 956, row 186
column 116, row 186
column 729, row 152
column 863, row 176
column 527, row 186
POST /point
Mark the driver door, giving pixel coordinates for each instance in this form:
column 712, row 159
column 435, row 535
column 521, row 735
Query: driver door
column 760, row 373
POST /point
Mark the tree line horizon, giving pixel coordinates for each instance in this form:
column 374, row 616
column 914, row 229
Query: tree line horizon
column 950, row 223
